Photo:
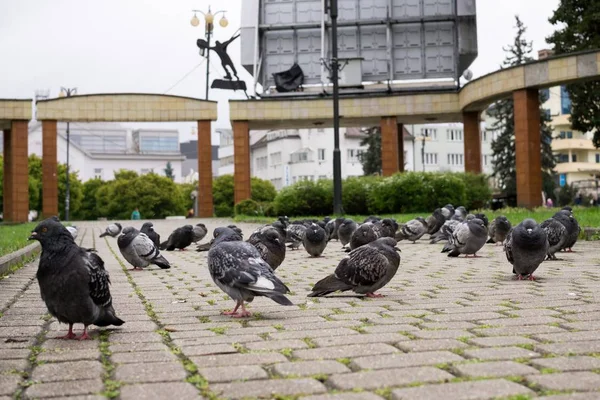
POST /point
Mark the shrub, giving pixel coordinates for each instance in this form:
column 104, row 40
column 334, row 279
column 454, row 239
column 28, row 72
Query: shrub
column 447, row 188
column 477, row 190
column 262, row 190
column 89, row 209
column 223, row 210
column 304, row 198
column 248, row 207
column 355, row 194
column 566, row 194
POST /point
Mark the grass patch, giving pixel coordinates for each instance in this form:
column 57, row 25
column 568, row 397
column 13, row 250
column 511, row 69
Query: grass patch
column 310, row 343
column 345, row 361
column 14, row 237
column 548, row 371
column 112, row 388
column 218, row 330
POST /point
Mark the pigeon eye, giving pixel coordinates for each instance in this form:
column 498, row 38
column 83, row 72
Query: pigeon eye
column 44, row 229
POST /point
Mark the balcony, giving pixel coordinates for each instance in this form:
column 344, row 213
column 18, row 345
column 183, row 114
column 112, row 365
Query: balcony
column 565, row 168
column 572, row 144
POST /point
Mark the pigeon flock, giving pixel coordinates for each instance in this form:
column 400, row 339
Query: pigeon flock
column 75, row 285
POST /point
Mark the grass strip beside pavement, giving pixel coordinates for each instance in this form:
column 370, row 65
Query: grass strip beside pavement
column 14, row 237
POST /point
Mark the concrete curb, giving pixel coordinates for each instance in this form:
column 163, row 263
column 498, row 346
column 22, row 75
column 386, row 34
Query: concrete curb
column 16, row 257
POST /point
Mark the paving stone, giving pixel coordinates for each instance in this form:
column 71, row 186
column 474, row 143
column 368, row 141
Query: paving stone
column 520, row 330
column 238, row 359
column 13, row 365
column 174, row 390
column 500, row 341
column 569, row 336
column 11, row 354
column 430, row 345
column 448, row 325
column 202, row 350
column 334, row 332
column 277, row 345
column 345, row 396
column 9, row 384
column 573, row 363
column 358, row 339
column 58, row 355
column 349, row 351
column 495, row 369
column 233, row 373
column 308, row 368
column 67, row 371
column 463, row 317
column 60, row 389
column 389, row 377
column 477, row 390
column 143, row 337
column 150, row 372
column 143, row 356
column 396, row 328
column 405, row 360
column 268, row 388
column 135, row 347
column 441, row 334
column 584, row 381
column 569, row 348
column 571, row 396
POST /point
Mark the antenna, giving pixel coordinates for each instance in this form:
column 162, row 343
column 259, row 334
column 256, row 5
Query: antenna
column 468, row 74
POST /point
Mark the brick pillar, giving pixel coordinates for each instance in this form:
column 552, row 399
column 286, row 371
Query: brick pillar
column 49, row 169
column 528, row 148
column 389, row 146
column 401, row 159
column 241, row 159
column 205, row 196
column 16, row 173
column 472, row 142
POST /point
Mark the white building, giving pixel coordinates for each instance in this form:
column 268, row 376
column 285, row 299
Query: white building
column 98, row 150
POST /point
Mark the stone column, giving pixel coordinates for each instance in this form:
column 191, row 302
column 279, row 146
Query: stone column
column 49, row 169
column 528, row 148
column 401, row 159
column 241, row 159
column 389, row 146
column 472, row 142
column 16, row 173
column 205, row 196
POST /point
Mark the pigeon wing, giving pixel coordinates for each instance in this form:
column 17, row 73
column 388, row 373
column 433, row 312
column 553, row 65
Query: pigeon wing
column 364, row 266
column 144, row 247
column 508, row 247
column 99, row 279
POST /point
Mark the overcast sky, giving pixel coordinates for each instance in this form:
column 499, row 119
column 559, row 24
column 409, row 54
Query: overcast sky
column 149, row 46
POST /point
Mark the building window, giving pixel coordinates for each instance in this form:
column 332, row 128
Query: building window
column 322, row 177
column 544, row 94
column 455, row 159
column 320, row 130
column 354, row 155
column 486, row 159
column 430, row 159
column 101, row 143
column 566, row 134
column 277, row 183
column 98, row 172
column 261, row 163
column 484, row 136
column 597, row 158
column 223, row 162
column 160, row 144
column 144, row 171
column 321, row 154
column 563, row 158
column 299, row 157
column 573, row 157
column 565, row 101
column 302, row 178
column 429, row 132
column 275, row 158
column 454, row 135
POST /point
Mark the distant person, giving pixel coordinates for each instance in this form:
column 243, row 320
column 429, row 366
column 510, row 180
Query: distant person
column 578, row 199
column 136, row 214
column 549, row 203
column 190, row 213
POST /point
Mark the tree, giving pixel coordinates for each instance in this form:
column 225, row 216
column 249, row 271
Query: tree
column 371, row 158
column 169, row 171
column 503, row 146
column 580, row 21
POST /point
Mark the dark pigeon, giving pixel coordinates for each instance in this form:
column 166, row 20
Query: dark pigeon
column 364, row 270
column 557, row 236
column 435, row 221
column 199, row 231
column 73, row 281
column 281, row 225
column 295, row 235
column 148, row 230
column 139, row 250
column 526, row 246
column 314, row 240
column 73, row 231
column 270, row 245
column 566, row 218
column 460, row 214
column 181, row 238
column 345, row 231
column 484, row 218
column 371, row 231
column 498, row 229
column 445, row 231
column 237, row 230
column 467, row 238
column 372, row 218
column 225, row 231
column 237, row 268
column 413, row 230
column 448, row 211
column 112, row 230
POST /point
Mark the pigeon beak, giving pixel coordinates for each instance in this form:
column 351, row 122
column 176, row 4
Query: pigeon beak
column 397, row 249
column 33, row 236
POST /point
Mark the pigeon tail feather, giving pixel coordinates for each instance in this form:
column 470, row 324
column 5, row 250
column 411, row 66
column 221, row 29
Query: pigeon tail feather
column 279, row 299
column 103, row 234
column 163, row 245
column 328, row 285
column 162, row 262
column 107, row 317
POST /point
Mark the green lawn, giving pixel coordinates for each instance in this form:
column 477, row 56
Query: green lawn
column 14, row 237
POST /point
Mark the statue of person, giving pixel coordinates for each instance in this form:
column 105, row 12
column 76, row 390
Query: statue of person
column 221, row 50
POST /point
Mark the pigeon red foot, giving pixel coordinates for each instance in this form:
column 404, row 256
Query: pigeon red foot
column 69, row 335
column 374, row 295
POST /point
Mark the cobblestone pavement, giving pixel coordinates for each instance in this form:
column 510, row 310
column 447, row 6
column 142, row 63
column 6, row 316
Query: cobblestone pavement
column 447, row 328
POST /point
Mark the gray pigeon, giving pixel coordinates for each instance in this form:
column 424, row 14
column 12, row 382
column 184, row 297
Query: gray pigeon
column 181, row 238
column 281, row 225
column 73, row 282
column 148, row 229
column 112, row 230
column 226, row 231
column 332, row 227
column 566, row 218
column 557, row 236
column 199, row 232
column 499, row 228
column 139, row 250
column 315, row 240
column 468, row 238
column 295, row 235
column 448, row 211
column 413, row 230
column 345, row 231
column 237, row 269
column 445, row 231
column 364, row 270
column 371, row 231
column 73, row 231
column 460, row 214
column 526, row 246
column 372, row 218
column 435, row 221
column 270, row 245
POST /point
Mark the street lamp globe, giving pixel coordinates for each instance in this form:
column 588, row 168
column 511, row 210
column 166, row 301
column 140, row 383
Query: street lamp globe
column 62, row 93
column 223, row 22
column 195, row 21
column 209, row 17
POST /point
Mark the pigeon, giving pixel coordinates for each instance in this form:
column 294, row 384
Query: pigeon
column 332, row 228
column 345, row 231
column 73, row 231
column 498, row 229
column 364, row 270
column 295, row 235
column 468, row 238
column 371, row 231
column 460, row 214
column 198, row 232
column 139, row 250
column 526, row 246
column 314, row 240
column 281, row 224
column 112, row 230
column 181, row 238
column 413, row 230
column 372, row 218
column 230, row 233
column 484, row 218
column 557, row 236
column 435, row 221
column 73, row 281
column 149, row 231
column 448, row 211
column 566, row 218
column 270, row 245
column 237, row 268
column 237, row 230
column 388, row 227
column 445, row 231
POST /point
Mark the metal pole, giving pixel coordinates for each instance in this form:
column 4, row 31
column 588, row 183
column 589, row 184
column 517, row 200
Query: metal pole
column 337, row 161
column 423, row 150
column 68, row 187
column 208, row 32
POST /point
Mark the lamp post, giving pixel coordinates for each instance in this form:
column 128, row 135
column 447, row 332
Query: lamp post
column 337, row 161
column 67, row 93
column 209, row 18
